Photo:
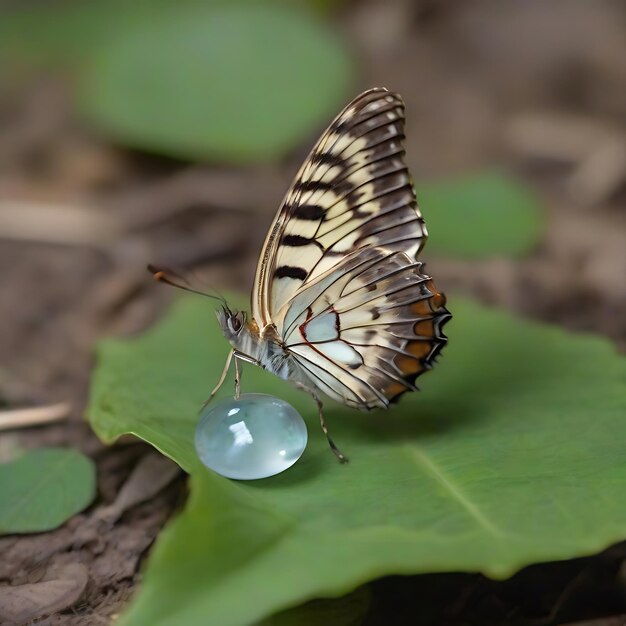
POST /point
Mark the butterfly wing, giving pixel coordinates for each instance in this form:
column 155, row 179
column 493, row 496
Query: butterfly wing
column 352, row 192
column 363, row 331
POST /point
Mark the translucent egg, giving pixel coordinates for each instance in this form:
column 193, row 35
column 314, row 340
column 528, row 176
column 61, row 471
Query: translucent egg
column 253, row 437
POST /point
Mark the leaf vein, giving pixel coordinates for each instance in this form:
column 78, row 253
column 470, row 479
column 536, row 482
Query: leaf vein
column 473, row 511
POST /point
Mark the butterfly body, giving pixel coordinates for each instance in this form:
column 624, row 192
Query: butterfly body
column 340, row 305
column 250, row 344
column 264, row 349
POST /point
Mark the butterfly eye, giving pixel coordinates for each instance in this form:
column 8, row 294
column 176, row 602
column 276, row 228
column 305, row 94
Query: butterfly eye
column 235, row 323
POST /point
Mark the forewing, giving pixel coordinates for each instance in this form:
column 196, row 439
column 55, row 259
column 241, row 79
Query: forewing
column 363, row 331
column 352, row 192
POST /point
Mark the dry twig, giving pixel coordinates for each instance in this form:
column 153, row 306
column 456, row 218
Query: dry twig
column 34, row 416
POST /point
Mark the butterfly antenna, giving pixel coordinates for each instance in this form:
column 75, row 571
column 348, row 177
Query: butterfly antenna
column 216, row 293
column 173, row 279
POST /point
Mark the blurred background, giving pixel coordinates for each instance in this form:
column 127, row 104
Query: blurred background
column 137, row 131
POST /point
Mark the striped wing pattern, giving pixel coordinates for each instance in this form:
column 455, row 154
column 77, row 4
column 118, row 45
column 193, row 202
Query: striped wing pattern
column 338, row 281
column 353, row 191
column 363, row 331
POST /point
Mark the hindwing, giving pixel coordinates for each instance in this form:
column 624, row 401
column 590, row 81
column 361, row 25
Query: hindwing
column 364, row 330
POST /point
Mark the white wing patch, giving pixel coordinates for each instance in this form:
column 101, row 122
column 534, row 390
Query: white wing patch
column 341, row 352
column 321, row 328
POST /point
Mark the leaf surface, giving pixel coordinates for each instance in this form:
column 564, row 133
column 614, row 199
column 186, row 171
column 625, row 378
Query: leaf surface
column 235, row 82
column 512, row 453
column 43, row 489
column 484, row 214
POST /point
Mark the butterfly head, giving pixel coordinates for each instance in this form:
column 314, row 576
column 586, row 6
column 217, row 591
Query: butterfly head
column 241, row 334
column 232, row 323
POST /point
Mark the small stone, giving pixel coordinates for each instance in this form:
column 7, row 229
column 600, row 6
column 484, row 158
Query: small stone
column 252, row 437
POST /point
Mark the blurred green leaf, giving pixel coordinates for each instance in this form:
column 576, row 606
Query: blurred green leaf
column 227, row 83
column 43, row 489
column 481, row 215
column 63, row 32
column 512, row 453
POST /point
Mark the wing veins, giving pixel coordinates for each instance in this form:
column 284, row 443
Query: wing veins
column 408, row 220
column 398, row 270
column 369, row 199
column 371, row 262
column 378, row 178
column 340, row 132
column 350, row 172
column 300, row 357
column 388, row 293
column 393, row 323
column 360, row 225
column 390, row 375
column 322, row 381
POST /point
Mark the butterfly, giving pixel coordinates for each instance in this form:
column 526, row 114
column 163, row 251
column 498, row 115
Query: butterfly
column 340, row 304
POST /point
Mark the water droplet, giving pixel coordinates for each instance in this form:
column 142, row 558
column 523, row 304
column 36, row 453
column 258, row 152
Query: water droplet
column 253, row 437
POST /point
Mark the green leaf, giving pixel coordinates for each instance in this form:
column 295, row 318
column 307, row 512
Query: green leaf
column 43, row 489
column 61, row 33
column 481, row 215
column 512, row 453
column 228, row 83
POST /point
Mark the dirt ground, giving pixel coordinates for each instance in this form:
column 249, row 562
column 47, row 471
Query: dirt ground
column 537, row 88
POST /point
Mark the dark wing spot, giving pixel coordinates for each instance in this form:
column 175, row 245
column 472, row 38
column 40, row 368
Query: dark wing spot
column 328, row 158
column 309, row 212
column 337, row 321
column 312, row 185
column 296, row 240
column 288, row 271
column 375, row 313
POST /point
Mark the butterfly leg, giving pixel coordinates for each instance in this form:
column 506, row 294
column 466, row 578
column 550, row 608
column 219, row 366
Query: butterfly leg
column 220, row 382
column 237, row 379
column 336, row 451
